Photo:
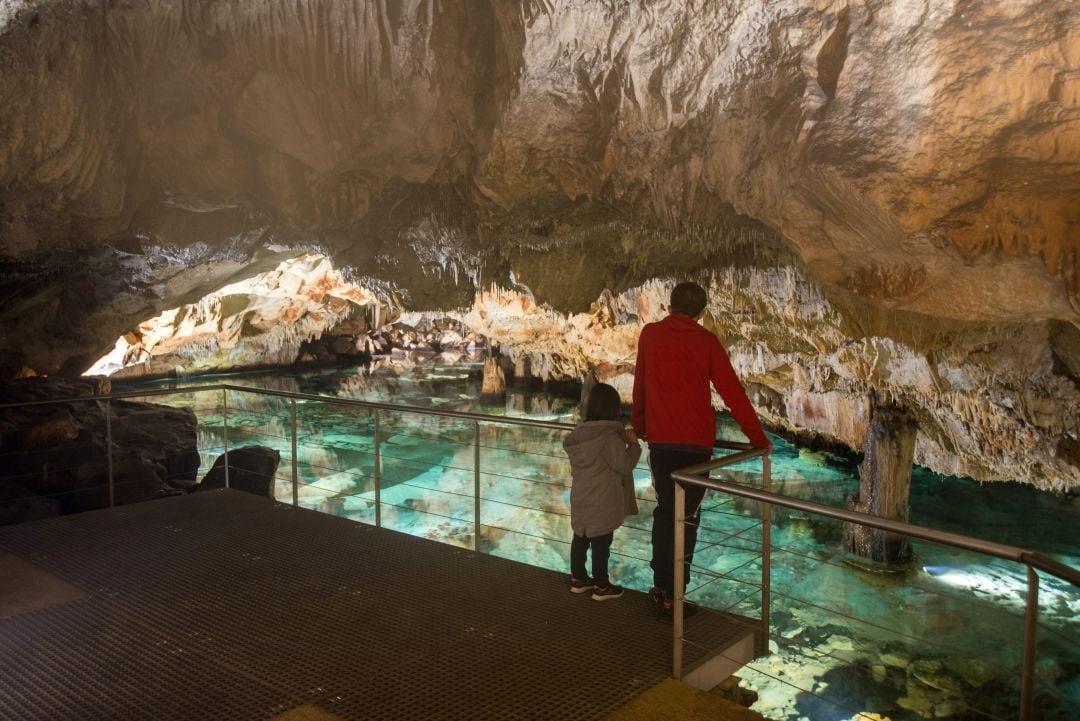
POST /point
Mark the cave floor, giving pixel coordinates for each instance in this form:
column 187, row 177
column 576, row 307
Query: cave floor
column 227, row 605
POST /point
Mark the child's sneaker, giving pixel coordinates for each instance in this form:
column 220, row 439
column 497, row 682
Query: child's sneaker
column 580, row 585
column 606, row 593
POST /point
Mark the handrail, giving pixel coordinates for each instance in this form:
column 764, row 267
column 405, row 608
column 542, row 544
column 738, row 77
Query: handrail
column 1052, row 566
column 510, row 420
column 465, row 415
column 112, row 396
column 990, row 548
column 694, row 475
column 698, row 475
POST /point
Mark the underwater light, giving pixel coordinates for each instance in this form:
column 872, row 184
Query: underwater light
column 968, row 580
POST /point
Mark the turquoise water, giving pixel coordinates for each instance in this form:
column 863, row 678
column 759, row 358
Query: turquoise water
column 941, row 641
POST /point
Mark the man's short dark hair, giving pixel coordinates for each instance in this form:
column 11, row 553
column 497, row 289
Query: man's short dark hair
column 603, row 403
column 688, row 299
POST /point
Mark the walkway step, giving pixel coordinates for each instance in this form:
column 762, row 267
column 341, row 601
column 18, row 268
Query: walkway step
column 671, row 699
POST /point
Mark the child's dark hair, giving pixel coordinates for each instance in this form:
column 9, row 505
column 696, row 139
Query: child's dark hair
column 603, row 403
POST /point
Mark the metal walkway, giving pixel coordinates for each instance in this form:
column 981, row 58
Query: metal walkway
column 225, row 605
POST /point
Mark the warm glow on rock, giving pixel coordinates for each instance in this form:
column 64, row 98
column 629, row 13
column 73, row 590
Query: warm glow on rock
column 259, row 321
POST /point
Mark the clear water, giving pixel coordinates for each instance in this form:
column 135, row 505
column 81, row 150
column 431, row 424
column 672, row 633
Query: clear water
column 943, row 640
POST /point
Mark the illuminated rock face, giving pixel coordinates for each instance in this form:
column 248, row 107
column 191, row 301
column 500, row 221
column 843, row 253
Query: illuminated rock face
column 261, row 321
column 917, row 163
column 994, row 402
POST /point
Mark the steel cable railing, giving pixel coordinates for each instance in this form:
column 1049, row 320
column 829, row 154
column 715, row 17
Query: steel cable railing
column 386, row 464
column 699, row 475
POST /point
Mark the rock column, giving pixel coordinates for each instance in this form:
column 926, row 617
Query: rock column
column 884, row 485
column 494, row 387
column 522, row 367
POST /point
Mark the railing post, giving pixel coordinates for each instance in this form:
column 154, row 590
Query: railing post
column 378, row 473
column 1031, row 617
column 225, row 432
column 679, row 574
column 476, row 486
column 766, row 557
column 108, row 452
column 295, row 474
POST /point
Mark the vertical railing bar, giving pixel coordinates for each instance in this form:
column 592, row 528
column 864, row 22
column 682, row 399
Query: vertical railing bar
column 1031, row 618
column 108, row 445
column 476, row 486
column 295, row 469
column 766, row 558
column 225, row 432
column 679, row 591
column 378, row 473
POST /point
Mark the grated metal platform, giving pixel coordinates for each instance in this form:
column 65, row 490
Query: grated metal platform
column 223, row 605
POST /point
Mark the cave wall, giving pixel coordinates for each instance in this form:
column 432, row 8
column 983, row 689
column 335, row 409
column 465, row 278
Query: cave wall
column 992, row 400
column 917, row 162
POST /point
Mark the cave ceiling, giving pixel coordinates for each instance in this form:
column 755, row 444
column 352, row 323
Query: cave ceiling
column 918, row 162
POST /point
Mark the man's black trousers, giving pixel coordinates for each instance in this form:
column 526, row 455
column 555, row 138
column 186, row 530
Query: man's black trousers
column 663, row 462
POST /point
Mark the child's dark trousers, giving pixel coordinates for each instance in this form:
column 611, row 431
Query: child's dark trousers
column 601, row 550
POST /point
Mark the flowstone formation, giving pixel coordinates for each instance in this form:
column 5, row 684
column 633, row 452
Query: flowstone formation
column 901, row 177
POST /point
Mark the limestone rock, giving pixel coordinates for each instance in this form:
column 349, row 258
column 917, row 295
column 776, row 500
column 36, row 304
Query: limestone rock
column 251, row 469
column 493, row 389
column 915, row 230
column 56, row 456
column 970, row 386
column 264, row 320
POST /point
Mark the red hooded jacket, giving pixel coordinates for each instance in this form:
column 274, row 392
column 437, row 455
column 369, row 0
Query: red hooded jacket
column 676, row 359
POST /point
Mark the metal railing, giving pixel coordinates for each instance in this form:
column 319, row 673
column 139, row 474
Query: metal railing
column 293, row 397
column 476, row 418
column 698, row 475
column 744, row 452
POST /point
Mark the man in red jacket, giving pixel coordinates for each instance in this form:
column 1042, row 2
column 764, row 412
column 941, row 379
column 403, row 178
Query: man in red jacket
column 676, row 360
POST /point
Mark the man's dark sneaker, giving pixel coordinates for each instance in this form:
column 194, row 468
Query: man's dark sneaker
column 656, row 597
column 580, row 585
column 667, row 610
column 606, row 593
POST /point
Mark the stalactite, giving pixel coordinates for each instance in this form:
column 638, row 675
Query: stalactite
column 388, row 38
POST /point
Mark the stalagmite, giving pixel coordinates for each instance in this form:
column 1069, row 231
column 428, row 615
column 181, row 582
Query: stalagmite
column 522, row 367
column 494, row 387
column 884, row 485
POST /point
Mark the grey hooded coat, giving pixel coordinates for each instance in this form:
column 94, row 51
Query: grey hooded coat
column 601, row 463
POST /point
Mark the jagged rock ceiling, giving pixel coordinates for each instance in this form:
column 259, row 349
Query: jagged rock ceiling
column 917, row 162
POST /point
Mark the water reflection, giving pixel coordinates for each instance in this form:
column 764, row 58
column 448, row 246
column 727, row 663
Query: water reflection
column 941, row 641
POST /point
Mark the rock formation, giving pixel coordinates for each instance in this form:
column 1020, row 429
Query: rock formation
column 264, row 320
column 884, row 485
column 56, row 457
column 902, row 180
column 993, row 401
column 494, row 385
column 250, row 469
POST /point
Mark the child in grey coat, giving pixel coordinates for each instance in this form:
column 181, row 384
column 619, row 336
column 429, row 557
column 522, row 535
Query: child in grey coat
column 602, row 456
